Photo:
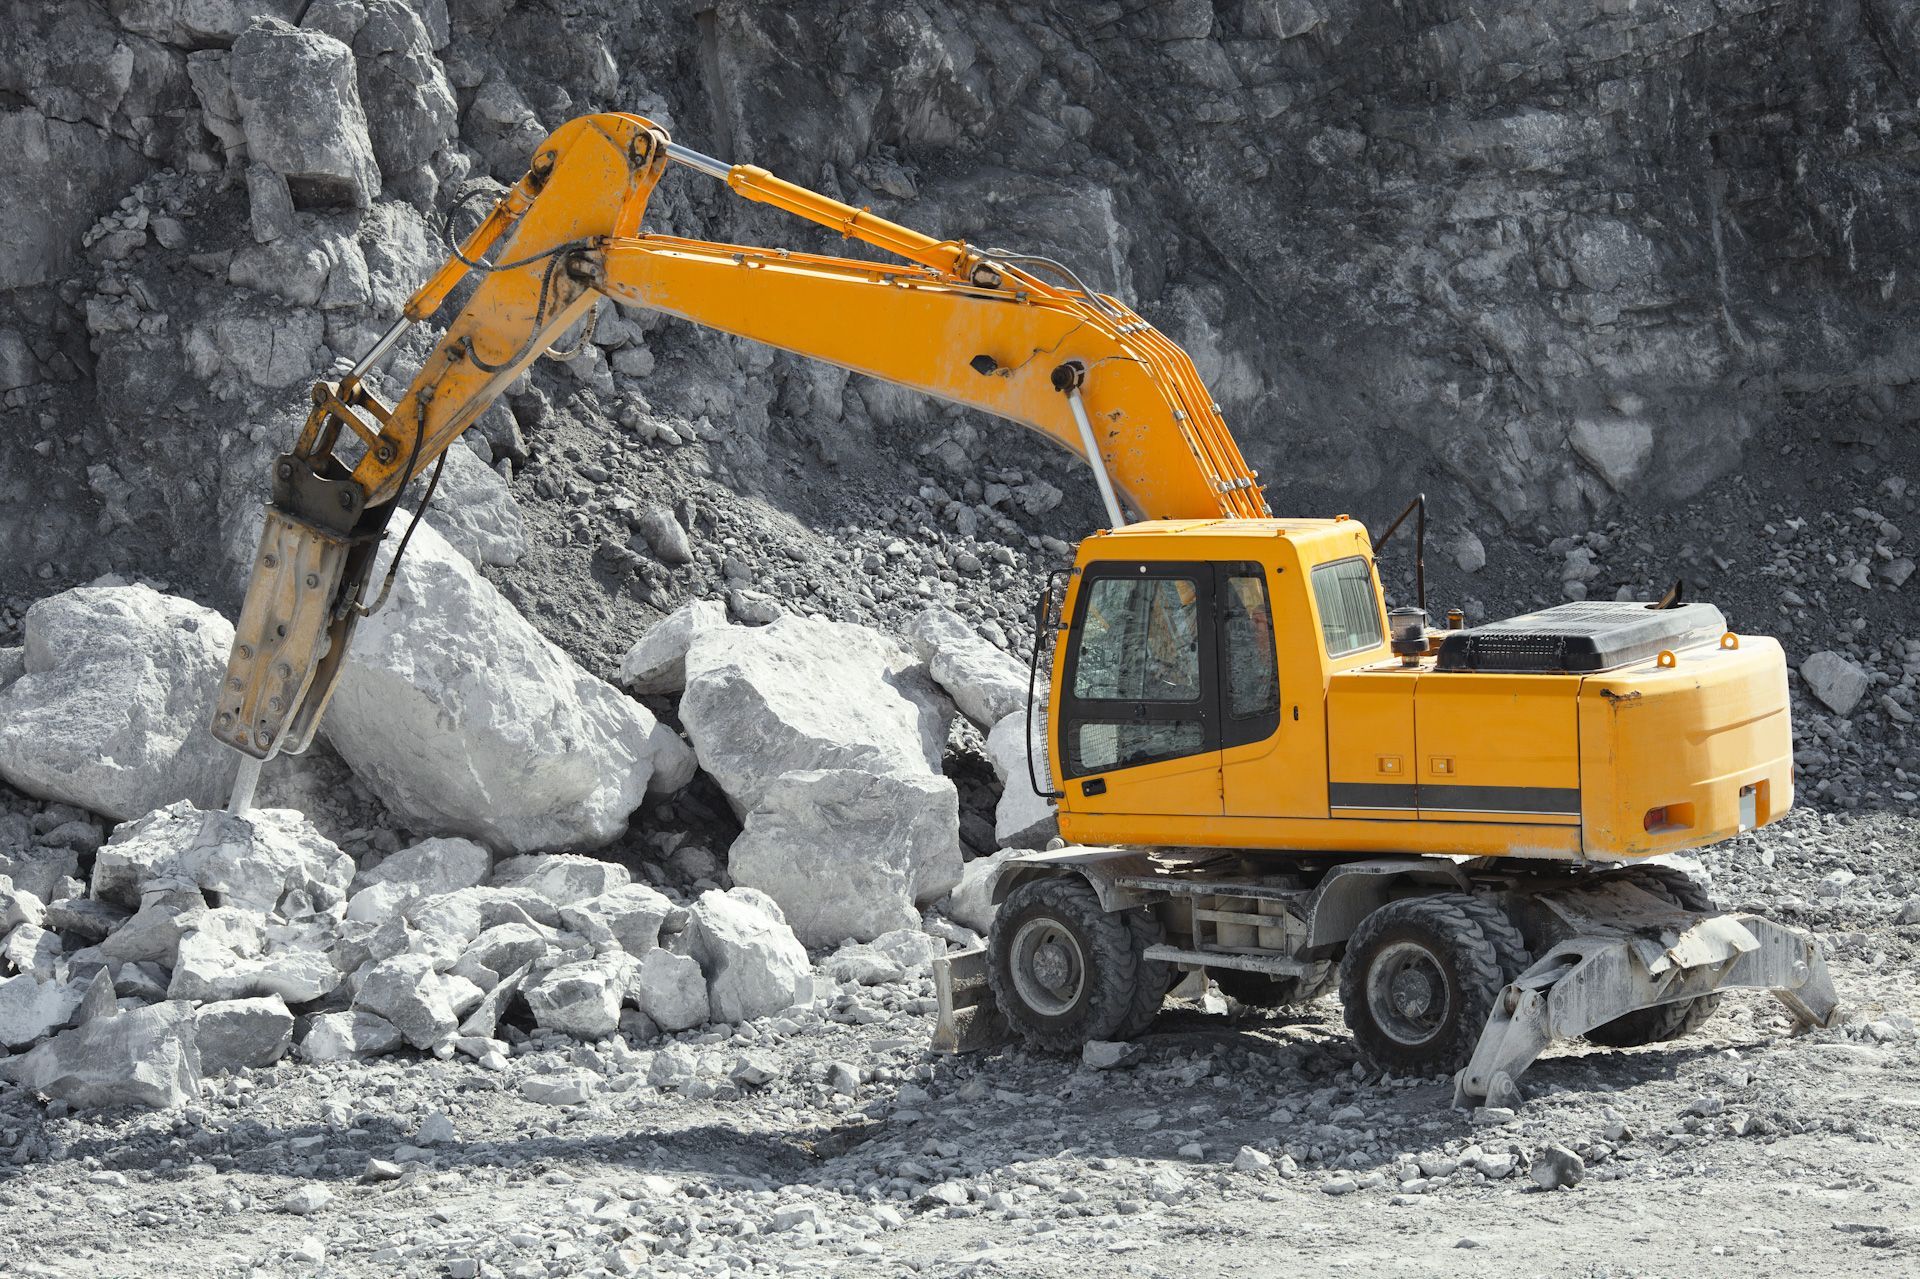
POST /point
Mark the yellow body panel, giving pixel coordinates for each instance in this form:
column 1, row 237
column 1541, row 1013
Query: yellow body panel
column 1375, row 756
column 1695, row 735
column 1495, row 743
column 1371, row 760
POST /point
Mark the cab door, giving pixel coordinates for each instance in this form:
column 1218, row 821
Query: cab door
column 1138, row 725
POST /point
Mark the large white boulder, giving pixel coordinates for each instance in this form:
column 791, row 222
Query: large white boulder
column 1023, row 818
column 971, row 901
column 143, row 1057
column 426, row 869
column 754, row 964
column 255, row 861
column 297, row 94
column 802, row 694
column 475, row 511
column 986, row 683
column 657, row 662
column 849, row 853
column 670, row 989
column 464, row 718
column 112, row 711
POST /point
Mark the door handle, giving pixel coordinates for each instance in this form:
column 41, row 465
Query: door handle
column 1098, row 786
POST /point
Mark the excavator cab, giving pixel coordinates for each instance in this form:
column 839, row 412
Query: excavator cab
column 1187, row 666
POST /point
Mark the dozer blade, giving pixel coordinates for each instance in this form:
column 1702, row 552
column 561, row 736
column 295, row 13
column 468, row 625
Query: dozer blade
column 969, row 1020
column 1630, row 951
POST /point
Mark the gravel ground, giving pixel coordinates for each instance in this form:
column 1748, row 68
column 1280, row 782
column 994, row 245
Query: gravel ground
column 830, row 1141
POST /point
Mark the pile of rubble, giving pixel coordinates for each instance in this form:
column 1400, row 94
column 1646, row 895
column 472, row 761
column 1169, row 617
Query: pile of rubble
column 205, row 942
column 191, row 942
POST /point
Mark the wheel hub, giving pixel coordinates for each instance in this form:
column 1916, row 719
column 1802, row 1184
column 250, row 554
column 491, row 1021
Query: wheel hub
column 1407, row 993
column 1048, row 968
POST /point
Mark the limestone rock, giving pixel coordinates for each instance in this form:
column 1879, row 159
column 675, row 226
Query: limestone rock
column 142, row 1057
column 1836, row 681
column 169, row 908
column 801, row 695
column 562, row 1088
column 411, row 111
column 474, row 510
column 298, row 95
column 240, row 1033
column 1468, row 551
column 847, row 854
column 1617, row 447
column 39, row 870
column 663, row 535
column 971, row 901
column 31, row 1009
column 469, row 912
column 657, row 662
column 986, row 683
column 197, row 24
column 462, row 717
column 409, row 995
column 754, row 964
column 561, row 878
column 426, row 869
column 257, row 861
column 1023, row 818
column 670, row 989
column 348, row 1036
column 579, row 999
column 112, row 712
column 631, row 917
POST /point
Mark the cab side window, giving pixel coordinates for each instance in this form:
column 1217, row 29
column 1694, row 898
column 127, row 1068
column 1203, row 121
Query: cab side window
column 1252, row 676
column 1349, row 610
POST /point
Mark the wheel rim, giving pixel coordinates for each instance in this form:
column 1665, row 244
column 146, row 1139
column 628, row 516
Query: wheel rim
column 1049, row 969
column 1407, row 993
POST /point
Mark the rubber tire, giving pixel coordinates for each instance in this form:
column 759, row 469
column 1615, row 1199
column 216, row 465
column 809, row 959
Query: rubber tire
column 1662, row 1023
column 1509, row 947
column 1156, row 976
column 1447, row 928
column 1257, row 990
column 1110, row 995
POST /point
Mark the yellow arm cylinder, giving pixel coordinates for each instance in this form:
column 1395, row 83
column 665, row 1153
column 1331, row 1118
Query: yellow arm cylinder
column 948, row 257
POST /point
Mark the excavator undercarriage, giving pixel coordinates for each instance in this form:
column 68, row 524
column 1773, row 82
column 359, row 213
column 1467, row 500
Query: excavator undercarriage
column 1614, row 948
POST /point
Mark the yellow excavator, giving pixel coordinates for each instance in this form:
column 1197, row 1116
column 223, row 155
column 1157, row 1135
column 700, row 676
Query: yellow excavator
column 1261, row 772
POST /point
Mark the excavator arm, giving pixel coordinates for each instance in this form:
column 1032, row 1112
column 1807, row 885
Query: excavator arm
column 978, row 327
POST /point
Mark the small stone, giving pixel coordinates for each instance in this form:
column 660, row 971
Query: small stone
column 1835, row 680
column 382, row 1170
column 564, row 1088
column 1251, row 1160
column 1556, row 1168
column 306, row 1200
column 1106, row 1054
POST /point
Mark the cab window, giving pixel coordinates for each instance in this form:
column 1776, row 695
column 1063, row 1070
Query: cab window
column 1349, row 611
column 1141, row 641
column 1246, row 638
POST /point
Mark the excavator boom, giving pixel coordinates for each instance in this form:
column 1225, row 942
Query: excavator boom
column 1014, row 335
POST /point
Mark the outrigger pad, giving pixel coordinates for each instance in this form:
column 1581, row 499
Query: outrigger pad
column 1613, row 967
column 969, row 1020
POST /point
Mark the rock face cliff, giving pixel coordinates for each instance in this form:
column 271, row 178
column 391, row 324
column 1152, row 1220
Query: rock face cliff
column 1557, row 260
